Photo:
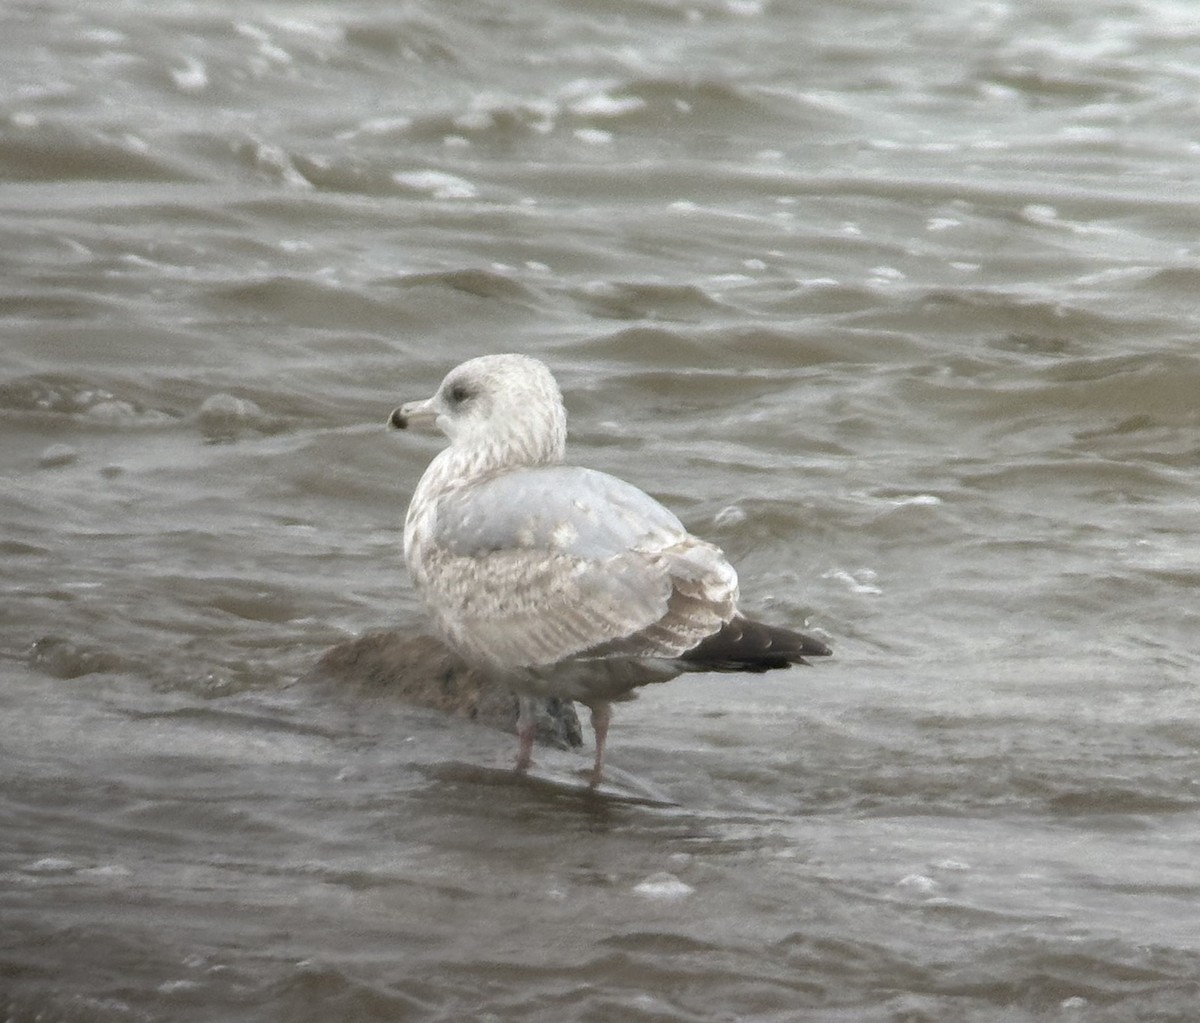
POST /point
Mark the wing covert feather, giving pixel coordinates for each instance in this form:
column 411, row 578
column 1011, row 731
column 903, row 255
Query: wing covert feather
column 538, row 565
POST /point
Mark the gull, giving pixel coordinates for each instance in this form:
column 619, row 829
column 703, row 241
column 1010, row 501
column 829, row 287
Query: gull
column 561, row 581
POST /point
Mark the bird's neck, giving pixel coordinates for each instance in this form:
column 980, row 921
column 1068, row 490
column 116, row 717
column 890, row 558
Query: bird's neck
column 462, row 464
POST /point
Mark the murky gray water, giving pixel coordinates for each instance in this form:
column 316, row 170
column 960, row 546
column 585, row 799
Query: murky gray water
column 895, row 301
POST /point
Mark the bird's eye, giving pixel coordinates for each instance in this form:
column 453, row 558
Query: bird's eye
column 459, row 394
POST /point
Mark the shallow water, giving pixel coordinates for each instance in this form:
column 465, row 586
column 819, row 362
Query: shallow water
column 894, row 301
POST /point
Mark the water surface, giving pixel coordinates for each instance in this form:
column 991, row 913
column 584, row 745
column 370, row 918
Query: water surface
column 895, row 301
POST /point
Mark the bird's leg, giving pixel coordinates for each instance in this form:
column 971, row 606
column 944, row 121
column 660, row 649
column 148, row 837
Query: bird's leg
column 601, row 716
column 526, row 726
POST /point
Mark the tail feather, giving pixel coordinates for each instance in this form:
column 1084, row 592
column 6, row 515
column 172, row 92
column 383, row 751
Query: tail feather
column 745, row 645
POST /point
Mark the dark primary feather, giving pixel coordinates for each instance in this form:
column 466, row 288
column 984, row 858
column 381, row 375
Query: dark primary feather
column 745, row 645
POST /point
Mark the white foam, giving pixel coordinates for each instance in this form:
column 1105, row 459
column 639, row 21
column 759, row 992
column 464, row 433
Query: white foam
column 663, row 886
column 437, row 183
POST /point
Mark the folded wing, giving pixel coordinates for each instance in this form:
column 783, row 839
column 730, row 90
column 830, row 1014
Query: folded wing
column 539, row 565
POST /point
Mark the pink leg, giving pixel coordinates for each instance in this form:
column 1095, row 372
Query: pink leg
column 601, row 716
column 526, row 726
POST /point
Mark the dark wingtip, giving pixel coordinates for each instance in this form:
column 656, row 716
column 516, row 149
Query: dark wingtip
column 813, row 647
column 745, row 645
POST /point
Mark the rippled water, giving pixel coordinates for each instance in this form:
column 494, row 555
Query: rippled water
column 894, row 300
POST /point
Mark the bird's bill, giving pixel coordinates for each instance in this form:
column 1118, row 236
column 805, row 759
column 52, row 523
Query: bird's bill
column 413, row 413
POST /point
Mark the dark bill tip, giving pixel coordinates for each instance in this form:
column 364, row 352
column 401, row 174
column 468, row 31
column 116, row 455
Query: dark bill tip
column 398, row 420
